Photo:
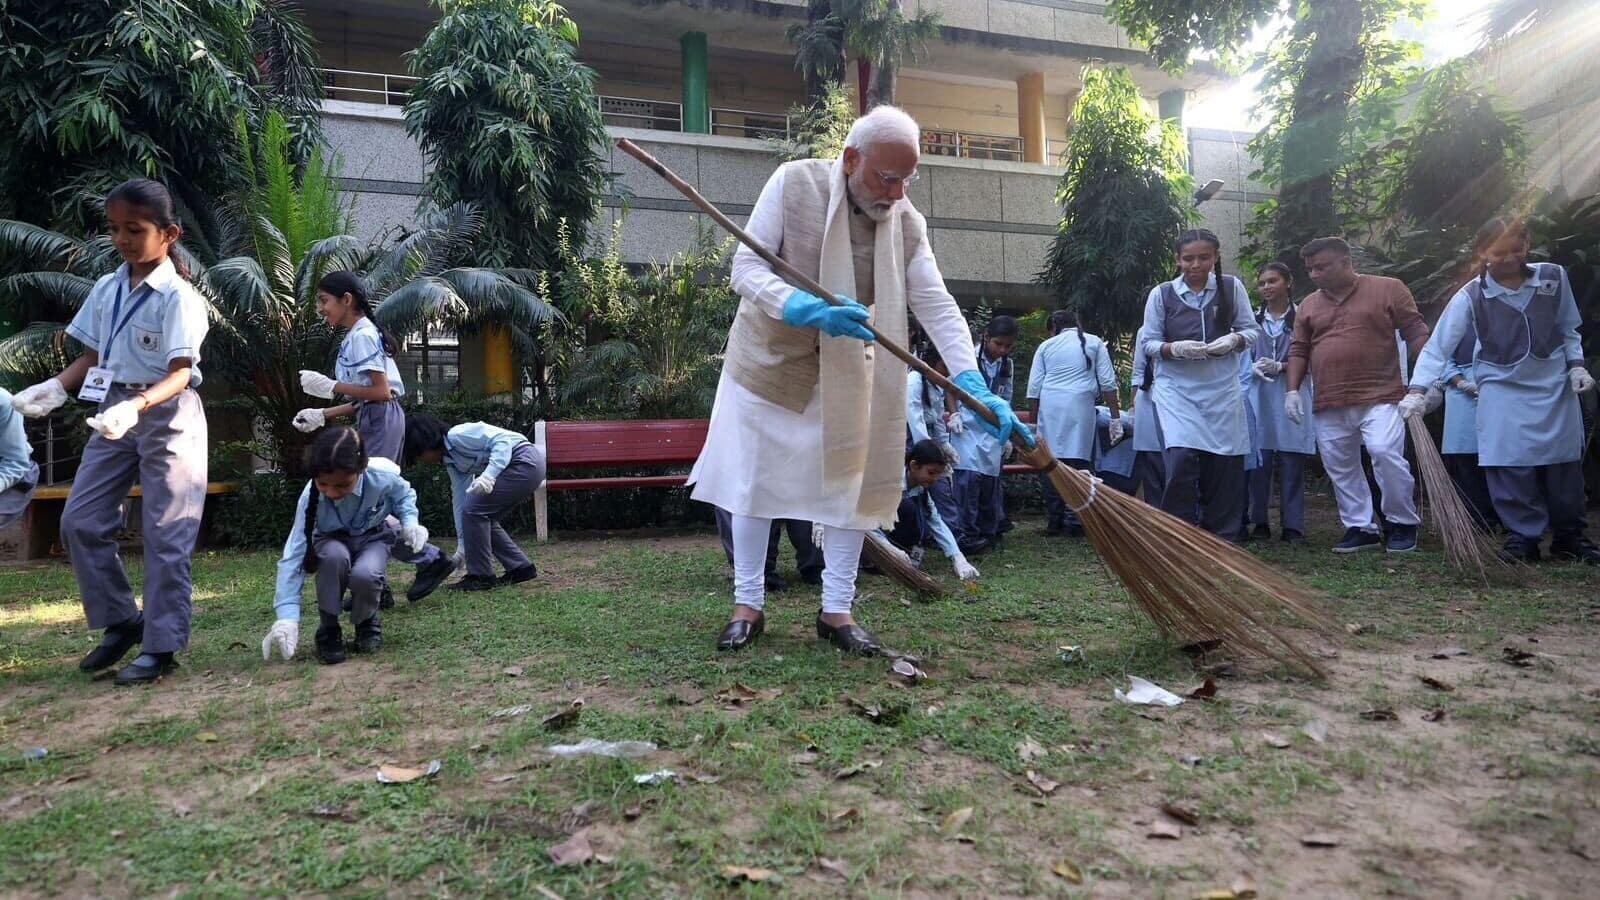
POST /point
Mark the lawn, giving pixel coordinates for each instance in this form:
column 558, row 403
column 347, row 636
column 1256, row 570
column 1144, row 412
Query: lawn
column 829, row 776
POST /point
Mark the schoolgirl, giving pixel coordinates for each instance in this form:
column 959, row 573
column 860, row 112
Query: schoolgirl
column 364, row 371
column 925, row 420
column 344, row 534
column 980, row 498
column 19, row 474
column 141, row 328
column 492, row 471
column 1195, row 324
column 1115, row 462
column 917, row 521
column 1285, row 445
column 1071, row 370
column 1149, row 452
column 1459, row 443
column 1529, row 368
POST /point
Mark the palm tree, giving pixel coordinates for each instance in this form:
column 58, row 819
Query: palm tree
column 878, row 32
column 276, row 240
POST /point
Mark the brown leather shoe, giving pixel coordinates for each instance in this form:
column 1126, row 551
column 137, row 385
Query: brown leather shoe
column 739, row 633
column 851, row 638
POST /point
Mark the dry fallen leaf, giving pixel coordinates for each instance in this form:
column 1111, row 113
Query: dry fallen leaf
column 1186, row 816
column 1040, row 783
column 574, row 851
column 737, row 874
column 833, row 867
column 1205, row 691
column 863, row 766
column 908, row 670
column 1434, row 715
column 1029, row 749
column 502, row 779
column 332, row 812
column 1522, row 659
column 741, row 693
column 405, row 775
column 1379, row 715
column 1273, row 740
column 565, row 718
column 1068, row 870
column 878, row 712
column 804, row 759
column 512, row 671
column 1244, row 886
column 849, row 815
column 1216, row 894
column 1435, row 683
column 952, row 824
column 1449, row 652
column 510, row 711
column 207, row 737
column 1164, row 830
column 685, row 696
column 1316, row 729
column 1355, row 628
column 1319, row 840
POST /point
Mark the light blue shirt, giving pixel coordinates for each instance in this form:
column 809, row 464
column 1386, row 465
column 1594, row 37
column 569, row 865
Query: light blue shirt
column 1460, row 414
column 992, row 369
column 361, row 353
column 1199, row 401
column 16, row 456
column 161, row 320
column 1066, row 385
column 979, row 451
column 1146, row 434
column 472, row 449
column 926, row 421
column 379, row 494
column 936, row 524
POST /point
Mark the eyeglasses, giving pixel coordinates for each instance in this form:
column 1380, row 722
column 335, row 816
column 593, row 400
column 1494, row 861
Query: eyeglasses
column 890, row 181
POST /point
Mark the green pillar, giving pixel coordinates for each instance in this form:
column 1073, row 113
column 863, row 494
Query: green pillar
column 696, row 108
column 1171, row 104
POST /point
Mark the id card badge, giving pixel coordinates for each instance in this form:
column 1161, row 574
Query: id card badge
column 96, row 385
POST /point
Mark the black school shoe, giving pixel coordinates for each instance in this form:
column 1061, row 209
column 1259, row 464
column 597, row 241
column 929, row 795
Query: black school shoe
column 1402, row 539
column 1580, row 549
column 1356, row 540
column 114, row 645
column 330, row 641
column 1262, row 532
column 147, row 668
column 1292, row 537
column 811, row 576
column 850, row 638
column 369, row 635
column 520, row 574
column 1518, row 549
column 473, row 583
column 429, row 577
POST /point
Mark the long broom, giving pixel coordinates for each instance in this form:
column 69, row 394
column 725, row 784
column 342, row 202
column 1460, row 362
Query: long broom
column 1467, row 546
column 1194, row 585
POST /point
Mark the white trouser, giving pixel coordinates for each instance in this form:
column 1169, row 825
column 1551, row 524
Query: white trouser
column 1340, row 434
column 841, row 553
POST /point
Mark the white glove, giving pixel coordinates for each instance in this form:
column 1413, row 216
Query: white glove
column 1224, row 345
column 116, row 420
column 1008, row 451
column 414, row 536
column 316, row 384
column 309, row 420
column 1434, row 397
column 1294, row 407
column 1114, row 430
column 1187, row 349
column 1266, row 369
column 483, row 484
column 964, row 570
column 40, row 400
column 951, row 457
column 1580, row 379
column 816, row 533
column 954, row 424
column 1414, row 404
column 285, row 636
column 459, row 558
column 1469, row 388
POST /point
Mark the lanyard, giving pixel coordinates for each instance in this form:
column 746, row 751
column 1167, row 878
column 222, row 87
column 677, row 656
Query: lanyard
column 138, row 298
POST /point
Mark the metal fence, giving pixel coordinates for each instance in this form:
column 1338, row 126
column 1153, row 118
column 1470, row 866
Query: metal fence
column 749, row 123
column 631, row 112
column 367, row 87
column 971, row 145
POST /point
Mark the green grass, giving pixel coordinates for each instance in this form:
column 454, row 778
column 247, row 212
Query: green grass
column 135, row 798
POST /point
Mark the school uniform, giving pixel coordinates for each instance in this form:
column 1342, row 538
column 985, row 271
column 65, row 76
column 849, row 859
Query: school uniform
column 1200, row 404
column 1458, row 445
column 925, row 421
column 1285, row 446
column 352, row 540
column 381, row 424
column 136, row 332
column 977, row 482
column 1149, row 450
column 917, row 523
column 19, row 474
column 1070, row 371
column 807, row 555
column 517, row 467
column 997, row 374
column 1529, row 423
column 1115, row 464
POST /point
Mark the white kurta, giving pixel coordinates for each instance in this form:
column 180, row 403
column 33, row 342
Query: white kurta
column 763, row 460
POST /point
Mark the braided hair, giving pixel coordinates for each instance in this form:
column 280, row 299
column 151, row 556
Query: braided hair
column 1223, row 311
column 929, row 355
column 1492, row 231
column 334, row 450
column 1060, row 321
column 344, row 282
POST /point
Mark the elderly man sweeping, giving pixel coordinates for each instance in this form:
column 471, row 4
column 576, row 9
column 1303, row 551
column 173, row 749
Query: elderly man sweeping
column 809, row 420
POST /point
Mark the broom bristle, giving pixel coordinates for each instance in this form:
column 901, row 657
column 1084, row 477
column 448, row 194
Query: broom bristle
column 1194, row 585
column 894, row 563
column 1466, row 546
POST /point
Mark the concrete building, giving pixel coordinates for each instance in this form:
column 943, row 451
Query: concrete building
column 703, row 84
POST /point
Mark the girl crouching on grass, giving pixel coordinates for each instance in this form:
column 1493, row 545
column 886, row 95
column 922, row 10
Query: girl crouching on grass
column 492, row 471
column 342, row 534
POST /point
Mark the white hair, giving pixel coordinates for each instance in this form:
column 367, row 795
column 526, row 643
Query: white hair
column 884, row 124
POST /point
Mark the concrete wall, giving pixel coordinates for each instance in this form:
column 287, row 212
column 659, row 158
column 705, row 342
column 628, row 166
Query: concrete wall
column 1073, row 21
column 1214, row 153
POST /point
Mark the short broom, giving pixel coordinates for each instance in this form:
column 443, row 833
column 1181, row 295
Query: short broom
column 1194, row 585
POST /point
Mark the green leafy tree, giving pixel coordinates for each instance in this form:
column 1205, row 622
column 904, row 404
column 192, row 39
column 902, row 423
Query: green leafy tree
column 94, row 92
column 819, row 129
column 1125, row 197
column 510, row 120
column 878, row 32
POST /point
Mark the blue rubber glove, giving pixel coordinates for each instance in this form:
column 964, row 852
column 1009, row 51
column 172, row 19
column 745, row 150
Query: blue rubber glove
column 803, row 310
column 972, row 382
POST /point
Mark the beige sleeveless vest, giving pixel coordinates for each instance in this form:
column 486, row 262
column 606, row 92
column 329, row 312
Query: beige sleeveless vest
column 775, row 361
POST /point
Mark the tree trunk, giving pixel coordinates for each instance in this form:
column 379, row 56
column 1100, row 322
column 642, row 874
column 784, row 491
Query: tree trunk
column 863, row 80
column 1311, row 143
column 816, row 84
column 882, row 89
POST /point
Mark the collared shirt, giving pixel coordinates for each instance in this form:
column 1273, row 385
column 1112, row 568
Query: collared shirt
column 161, row 320
column 472, row 449
column 380, row 492
column 361, row 353
column 16, row 457
column 926, row 420
column 1198, row 401
column 1346, row 343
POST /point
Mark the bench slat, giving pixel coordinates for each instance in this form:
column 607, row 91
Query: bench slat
column 60, row 491
column 647, row 442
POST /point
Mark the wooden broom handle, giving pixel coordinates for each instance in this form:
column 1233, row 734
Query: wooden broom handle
column 798, row 279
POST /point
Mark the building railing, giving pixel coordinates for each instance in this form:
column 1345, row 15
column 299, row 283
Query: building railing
column 631, row 112
column 367, row 87
column 971, row 145
column 749, row 123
